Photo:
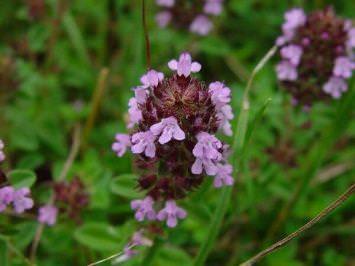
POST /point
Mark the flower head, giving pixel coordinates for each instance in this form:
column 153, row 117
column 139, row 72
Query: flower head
column 72, row 197
column 196, row 17
column 171, row 213
column 174, row 140
column 21, row 200
column 316, row 55
column 121, row 144
column 48, row 215
column 201, row 25
column 144, row 209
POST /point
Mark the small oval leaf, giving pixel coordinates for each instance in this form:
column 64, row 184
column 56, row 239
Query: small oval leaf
column 125, row 186
column 22, row 178
column 98, row 236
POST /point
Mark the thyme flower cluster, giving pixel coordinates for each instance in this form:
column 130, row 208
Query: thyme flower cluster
column 317, row 55
column 194, row 15
column 19, row 198
column 173, row 121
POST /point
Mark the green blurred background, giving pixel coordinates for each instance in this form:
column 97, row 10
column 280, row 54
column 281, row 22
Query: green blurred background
column 51, row 55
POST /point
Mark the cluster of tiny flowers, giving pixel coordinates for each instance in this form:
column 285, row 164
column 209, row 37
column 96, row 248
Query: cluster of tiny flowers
column 71, row 197
column 18, row 198
column 173, row 121
column 2, row 154
column 193, row 15
column 47, row 214
column 317, row 55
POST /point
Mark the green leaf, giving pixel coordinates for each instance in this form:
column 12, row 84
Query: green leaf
column 98, row 236
column 22, row 178
column 124, row 185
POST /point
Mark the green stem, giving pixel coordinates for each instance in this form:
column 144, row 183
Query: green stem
column 237, row 149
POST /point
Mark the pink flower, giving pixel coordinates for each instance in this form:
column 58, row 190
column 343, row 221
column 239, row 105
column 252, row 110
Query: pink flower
column 286, row 71
column 213, row 7
column 207, row 146
column 2, row 154
column 144, row 142
column 140, row 94
column 166, row 3
column 144, row 209
column 220, row 94
column 206, row 153
column 171, row 213
column 201, row 164
column 135, row 114
column 294, row 18
column 163, row 18
column 201, row 25
column 335, row 87
column 152, row 78
column 20, row 201
column 121, row 144
column 351, row 38
column 293, row 53
column 168, row 129
column 48, row 215
column 223, row 176
column 343, row 67
column 6, row 197
column 185, row 65
column 224, row 115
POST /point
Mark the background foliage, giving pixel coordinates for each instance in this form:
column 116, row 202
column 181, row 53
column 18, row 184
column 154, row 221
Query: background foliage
column 50, row 62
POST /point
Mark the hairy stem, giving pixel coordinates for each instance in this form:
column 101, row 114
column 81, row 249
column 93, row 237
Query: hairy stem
column 302, row 229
